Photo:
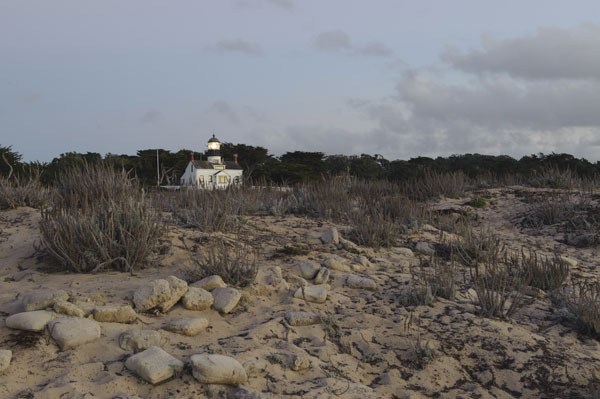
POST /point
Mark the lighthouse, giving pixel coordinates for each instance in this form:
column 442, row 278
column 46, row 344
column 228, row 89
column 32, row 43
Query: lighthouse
column 214, row 151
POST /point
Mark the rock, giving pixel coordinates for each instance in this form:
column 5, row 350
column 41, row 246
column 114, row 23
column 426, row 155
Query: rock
column 30, row 321
column 161, row 294
column 334, row 264
column 330, row 235
column 302, row 318
column 322, row 276
column 534, row 292
column 189, row 326
column 256, row 366
column 572, row 262
column 353, row 281
column 225, row 299
column 296, row 281
column 210, row 283
column 312, row 293
column 139, row 340
column 5, row 358
column 197, row 299
column 43, row 300
column 349, row 246
column 114, row 314
column 307, row 269
column 218, row 369
column 424, row 248
column 154, row 365
column 363, row 260
column 69, row 309
column 403, row 251
column 70, row 332
column 299, row 362
column 356, row 268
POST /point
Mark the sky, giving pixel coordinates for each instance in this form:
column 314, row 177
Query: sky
column 390, row 77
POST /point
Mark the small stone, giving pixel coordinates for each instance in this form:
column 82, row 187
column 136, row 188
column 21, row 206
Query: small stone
column 161, row 294
column 43, row 300
column 154, row 365
column 218, row 369
column 307, row 269
column 189, row 326
column 225, row 299
column 334, row 264
column 30, row 321
column 302, row 318
column 402, row 251
column 356, row 268
column 5, row 358
column 424, row 248
column 114, row 314
column 210, row 283
column 312, row 293
column 322, row 276
column 69, row 309
column 139, row 340
column 197, row 299
column 572, row 262
column 296, row 281
column 299, row 362
column 363, row 260
column 256, row 366
column 178, row 290
column 71, row 332
column 330, row 235
column 349, row 246
column 353, row 281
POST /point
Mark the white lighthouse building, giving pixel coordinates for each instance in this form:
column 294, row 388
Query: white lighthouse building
column 215, row 172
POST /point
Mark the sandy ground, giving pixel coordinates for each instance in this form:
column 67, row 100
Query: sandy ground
column 373, row 348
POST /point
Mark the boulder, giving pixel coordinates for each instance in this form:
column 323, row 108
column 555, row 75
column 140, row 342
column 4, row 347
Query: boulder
column 114, row 314
column 189, row 326
column 402, row 251
column 349, row 246
column 312, row 293
column 424, row 248
column 197, row 299
column 295, row 281
column 30, row 321
column 334, row 264
column 210, row 283
column 363, row 261
column 225, row 299
column 139, row 340
column 70, row 332
column 302, row 318
column 353, row 281
column 42, row 300
column 330, row 235
column 5, row 358
column 322, row 276
column 69, row 309
column 218, row 369
column 162, row 294
column 154, row 365
column 307, row 269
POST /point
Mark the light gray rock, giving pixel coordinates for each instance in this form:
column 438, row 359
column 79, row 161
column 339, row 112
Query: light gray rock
column 218, row 369
column 307, row 269
column 70, row 332
column 299, row 362
column 295, row 281
column 114, row 314
column 403, row 251
column 363, row 261
column 154, row 365
column 334, row 264
column 365, row 283
column 322, row 276
column 69, row 309
column 255, row 366
column 5, row 358
column 349, row 246
column 312, row 293
column 161, row 294
column 188, row 326
column 302, row 318
column 42, row 300
column 210, row 283
column 30, row 321
column 570, row 261
column 139, row 340
column 424, row 248
column 225, row 299
column 197, row 299
column 330, row 235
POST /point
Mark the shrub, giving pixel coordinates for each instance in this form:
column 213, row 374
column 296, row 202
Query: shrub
column 17, row 192
column 584, row 301
column 208, row 210
column 546, row 273
column 236, row 263
column 477, row 202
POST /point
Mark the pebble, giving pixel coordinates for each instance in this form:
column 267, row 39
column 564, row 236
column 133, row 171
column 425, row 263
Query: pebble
column 69, row 309
column 210, row 283
column 322, row 276
column 353, row 281
column 114, row 314
column 188, row 326
column 302, row 318
column 312, row 293
column 139, row 340
column 334, row 264
column 43, row 300
column 70, row 332
column 225, row 299
column 154, row 365
column 30, row 321
column 307, row 269
column 299, row 362
column 197, row 299
column 218, row 369
column 330, row 235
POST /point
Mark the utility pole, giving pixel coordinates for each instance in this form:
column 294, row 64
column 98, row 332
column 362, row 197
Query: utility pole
column 157, row 171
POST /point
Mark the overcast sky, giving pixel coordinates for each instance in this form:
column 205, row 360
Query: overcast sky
column 390, row 77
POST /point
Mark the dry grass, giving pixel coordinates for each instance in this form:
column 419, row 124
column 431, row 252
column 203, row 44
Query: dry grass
column 583, row 299
column 546, row 273
column 19, row 191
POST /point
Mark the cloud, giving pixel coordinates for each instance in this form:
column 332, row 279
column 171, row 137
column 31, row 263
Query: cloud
column 226, row 111
column 151, row 116
column 239, row 46
column 287, row 5
column 284, row 4
column 550, row 53
column 339, row 41
column 31, row 97
column 375, row 49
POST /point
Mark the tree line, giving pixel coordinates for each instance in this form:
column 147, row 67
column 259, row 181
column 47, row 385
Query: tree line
column 299, row 166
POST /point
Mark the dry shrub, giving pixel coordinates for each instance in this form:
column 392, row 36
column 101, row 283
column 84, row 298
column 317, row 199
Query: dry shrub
column 20, row 191
column 546, row 273
column 552, row 177
column 113, row 225
column 555, row 209
column 432, row 185
column 583, row 299
column 236, row 263
column 208, row 210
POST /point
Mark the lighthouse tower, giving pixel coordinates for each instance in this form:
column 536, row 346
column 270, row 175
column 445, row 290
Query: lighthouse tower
column 214, row 151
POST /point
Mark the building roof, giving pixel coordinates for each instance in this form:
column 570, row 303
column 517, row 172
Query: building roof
column 214, row 139
column 208, row 165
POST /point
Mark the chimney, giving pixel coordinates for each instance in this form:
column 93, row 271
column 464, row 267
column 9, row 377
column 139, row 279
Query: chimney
column 235, row 158
column 192, row 156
